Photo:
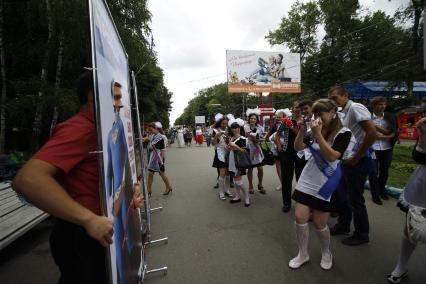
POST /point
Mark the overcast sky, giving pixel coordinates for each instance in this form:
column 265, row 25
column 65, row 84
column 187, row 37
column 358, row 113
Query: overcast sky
column 192, row 36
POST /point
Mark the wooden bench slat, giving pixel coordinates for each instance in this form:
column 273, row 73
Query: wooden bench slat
column 4, row 185
column 7, row 194
column 6, row 189
column 19, row 219
column 10, row 207
column 22, row 230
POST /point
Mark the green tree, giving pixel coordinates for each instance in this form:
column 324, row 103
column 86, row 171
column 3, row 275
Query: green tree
column 298, row 30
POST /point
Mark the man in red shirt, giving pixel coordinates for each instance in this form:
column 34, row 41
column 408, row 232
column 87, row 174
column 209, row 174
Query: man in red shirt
column 62, row 179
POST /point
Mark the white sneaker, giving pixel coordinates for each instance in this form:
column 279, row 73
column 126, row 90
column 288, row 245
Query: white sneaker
column 222, row 196
column 298, row 261
column 326, row 261
column 278, row 188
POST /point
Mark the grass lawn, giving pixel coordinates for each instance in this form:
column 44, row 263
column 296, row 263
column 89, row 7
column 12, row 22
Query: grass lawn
column 402, row 166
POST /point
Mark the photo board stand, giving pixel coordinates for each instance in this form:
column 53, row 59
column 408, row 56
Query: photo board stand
column 147, row 207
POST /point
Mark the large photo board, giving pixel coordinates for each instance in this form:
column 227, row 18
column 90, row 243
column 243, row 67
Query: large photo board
column 261, row 71
column 116, row 140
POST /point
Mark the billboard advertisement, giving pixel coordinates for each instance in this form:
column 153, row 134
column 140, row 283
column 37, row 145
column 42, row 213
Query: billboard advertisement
column 261, row 71
column 116, row 144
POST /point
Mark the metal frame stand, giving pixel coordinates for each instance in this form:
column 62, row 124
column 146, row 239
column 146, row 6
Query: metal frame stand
column 148, row 210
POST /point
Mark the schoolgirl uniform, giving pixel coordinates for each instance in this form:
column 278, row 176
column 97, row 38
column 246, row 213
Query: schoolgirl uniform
column 310, row 187
column 256, row 153
column 220, row 154
column 241, row 142
column 155, row 146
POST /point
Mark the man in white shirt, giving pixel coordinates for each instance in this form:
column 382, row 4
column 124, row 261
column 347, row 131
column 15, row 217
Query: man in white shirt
column 356, row 168
column 385, row 124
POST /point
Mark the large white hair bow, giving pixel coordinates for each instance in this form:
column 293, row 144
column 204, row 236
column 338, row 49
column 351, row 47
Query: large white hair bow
column 230, row 116
column 218, row 117
column 285, row 111
column 251, row 111
column 158, row 125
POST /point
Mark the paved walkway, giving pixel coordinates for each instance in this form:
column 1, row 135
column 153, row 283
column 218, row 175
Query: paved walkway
column 212, row 241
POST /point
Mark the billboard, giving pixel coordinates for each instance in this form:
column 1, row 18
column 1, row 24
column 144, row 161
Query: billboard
column 116, row 144
column 261, row 71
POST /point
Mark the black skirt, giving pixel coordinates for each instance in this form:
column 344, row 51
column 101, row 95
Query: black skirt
column 316, row 203
column 218, row 163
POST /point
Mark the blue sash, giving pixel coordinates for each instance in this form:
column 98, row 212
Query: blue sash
column 335, row 176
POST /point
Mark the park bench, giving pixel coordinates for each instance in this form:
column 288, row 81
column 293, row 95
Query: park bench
column 16, row 216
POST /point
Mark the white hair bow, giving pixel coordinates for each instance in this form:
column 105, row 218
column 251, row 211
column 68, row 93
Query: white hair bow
column 218, row 117
column 238, row 121
column 285, row 111
column 251, row 111
column 230, row 116
column 158, row 125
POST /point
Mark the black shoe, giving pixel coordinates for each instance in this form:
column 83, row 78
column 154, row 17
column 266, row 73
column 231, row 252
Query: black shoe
column 384, row 196
column 337, row 230
column 377, row 200
column 216, row 186
column 235, row 201
column 395, row 279
column 246, row 204
column 286, row 208
column 354, row 241
column 228, row 194
column 231, row 185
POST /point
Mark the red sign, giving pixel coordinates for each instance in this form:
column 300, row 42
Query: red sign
column 266, row 110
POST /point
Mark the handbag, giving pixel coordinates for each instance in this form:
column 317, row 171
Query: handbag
column 242, row 159
column 268, row 156
column 416, row 224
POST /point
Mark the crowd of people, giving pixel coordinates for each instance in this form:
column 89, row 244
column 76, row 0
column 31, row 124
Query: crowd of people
column 331, row 146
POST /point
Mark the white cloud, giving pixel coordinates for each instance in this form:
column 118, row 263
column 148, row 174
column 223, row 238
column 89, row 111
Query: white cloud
column 191, row 37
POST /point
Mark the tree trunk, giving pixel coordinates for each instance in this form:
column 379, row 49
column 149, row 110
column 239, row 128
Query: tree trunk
column 43, row 80
column 3, row 86
column 58, row 79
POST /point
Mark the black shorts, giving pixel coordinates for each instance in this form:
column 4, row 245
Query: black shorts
column 316, row 203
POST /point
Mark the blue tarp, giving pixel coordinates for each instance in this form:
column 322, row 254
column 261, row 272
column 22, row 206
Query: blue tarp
column 370, row 89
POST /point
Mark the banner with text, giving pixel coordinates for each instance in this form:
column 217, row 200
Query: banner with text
column 262, row 71
column 115, row 133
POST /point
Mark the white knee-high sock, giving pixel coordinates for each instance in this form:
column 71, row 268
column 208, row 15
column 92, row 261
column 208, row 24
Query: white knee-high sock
column 221, row 181
column 227, row 184
column 324, row 237
column 240, row 186
column 407, row 248
column 302, row 236
column 237, row 195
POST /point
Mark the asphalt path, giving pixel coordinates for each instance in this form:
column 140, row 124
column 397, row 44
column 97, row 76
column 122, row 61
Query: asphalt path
column 213, row 241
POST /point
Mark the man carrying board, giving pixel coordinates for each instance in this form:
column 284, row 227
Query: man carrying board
column 62, row 178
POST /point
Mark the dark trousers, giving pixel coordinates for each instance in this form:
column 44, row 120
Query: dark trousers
column 208, row 141
column 379, row 176
column 353, row 203
column 80, row 258
column 288, row 162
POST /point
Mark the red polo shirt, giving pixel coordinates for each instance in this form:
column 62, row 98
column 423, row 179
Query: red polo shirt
column 70, row 149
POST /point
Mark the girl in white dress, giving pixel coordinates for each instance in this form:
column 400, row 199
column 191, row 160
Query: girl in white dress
column 180, row 139
column 321, row 177
column 254, row 134
column 238, row 143
column 220, row 141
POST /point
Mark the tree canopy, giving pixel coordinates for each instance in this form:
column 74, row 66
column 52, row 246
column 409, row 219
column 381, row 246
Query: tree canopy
column 47, row 45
